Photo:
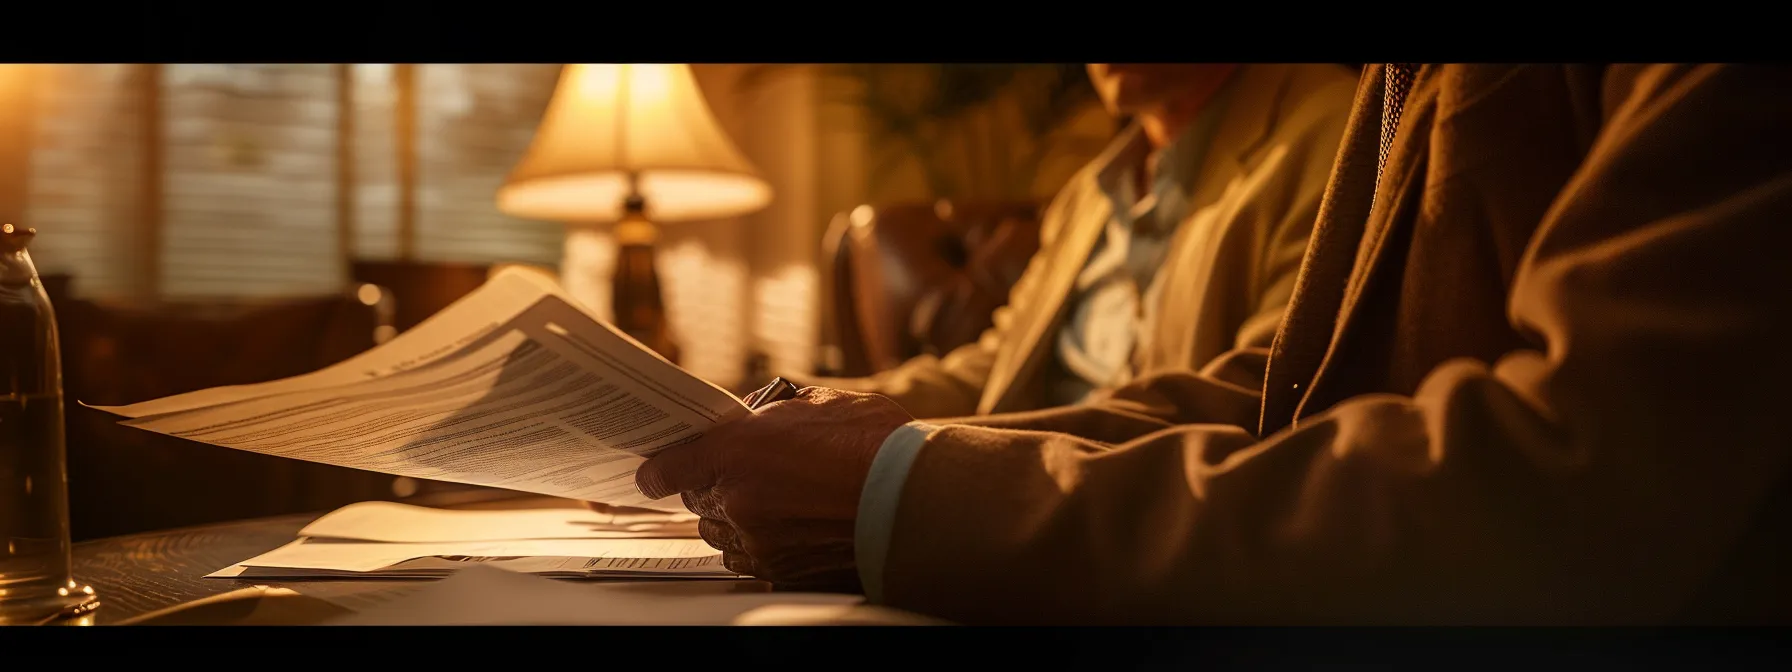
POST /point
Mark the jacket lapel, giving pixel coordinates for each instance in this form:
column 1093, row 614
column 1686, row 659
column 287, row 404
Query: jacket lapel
column 1250, row 119
column 1018, row 358
column 1396, row 202
column 1312, row 315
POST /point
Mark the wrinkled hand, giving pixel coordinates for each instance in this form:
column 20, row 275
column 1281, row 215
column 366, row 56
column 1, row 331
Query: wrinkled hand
column 778, row 491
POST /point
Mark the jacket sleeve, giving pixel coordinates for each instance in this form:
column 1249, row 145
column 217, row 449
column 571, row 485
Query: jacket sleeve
column 1597, row 478
column 952, row 385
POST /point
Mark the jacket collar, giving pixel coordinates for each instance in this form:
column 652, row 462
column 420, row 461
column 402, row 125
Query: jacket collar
column 1255, row 110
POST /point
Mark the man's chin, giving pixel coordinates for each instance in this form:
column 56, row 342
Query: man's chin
column 1134, row 104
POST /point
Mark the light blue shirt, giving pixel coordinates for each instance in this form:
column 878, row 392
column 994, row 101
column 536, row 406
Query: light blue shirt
column 1113, row 302
column 877, row 503
column 1107, row 312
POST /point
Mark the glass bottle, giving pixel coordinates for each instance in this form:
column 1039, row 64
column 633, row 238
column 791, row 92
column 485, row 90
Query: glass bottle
column 35, row 582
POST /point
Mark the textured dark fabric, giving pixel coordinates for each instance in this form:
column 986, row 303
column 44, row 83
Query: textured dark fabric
column 1398, row 78
column 1540, row 382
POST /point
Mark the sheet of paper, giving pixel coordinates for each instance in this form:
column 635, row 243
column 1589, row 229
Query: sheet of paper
column 255, row 605
column 569, row 567
column 357, row 595
column 515, row 386
column 704, row 569
column 394, row 522
column 477, row 314
column 353, row 556
column 482, row 595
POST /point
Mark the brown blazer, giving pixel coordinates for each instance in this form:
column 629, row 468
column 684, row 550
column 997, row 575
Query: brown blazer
column 1536, row 377
column 1228, row 275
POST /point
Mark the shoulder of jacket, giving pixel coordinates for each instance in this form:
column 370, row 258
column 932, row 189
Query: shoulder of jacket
column 1319, row 98
column 1078, row 193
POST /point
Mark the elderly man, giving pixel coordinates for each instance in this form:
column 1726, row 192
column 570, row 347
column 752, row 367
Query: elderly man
column 1178, row 243
column 1532, row 372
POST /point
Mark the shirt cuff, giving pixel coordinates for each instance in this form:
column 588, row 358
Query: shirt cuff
column 877, row 503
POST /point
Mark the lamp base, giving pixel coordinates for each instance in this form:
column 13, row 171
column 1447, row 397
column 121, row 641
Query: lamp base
column 636, row 299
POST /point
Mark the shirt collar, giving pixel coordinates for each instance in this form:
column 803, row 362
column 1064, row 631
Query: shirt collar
column 1124, row 154
column 1177, row 164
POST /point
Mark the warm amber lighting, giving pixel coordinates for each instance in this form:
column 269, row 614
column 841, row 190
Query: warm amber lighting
column 861, row 216
column 635, row 230
column 12, row 78
column 368, row 294
column 608, row 122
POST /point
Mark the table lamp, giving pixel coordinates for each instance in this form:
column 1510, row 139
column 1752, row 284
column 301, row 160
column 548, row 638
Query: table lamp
column 632, row 145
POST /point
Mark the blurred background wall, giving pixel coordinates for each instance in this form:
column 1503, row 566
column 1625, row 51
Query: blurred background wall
column 233, row 181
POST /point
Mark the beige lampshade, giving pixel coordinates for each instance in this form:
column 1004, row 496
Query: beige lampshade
column 607, row 121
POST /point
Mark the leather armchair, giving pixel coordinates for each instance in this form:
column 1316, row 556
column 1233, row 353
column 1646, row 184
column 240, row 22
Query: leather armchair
column 124, row 480
column 915, row 278
column 420, row 289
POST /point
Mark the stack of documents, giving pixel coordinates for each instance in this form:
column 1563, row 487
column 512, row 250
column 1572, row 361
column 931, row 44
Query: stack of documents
column 395, row 541
column 515, row 386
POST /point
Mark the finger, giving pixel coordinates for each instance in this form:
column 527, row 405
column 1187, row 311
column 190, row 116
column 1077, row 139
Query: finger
column 678, row 469
column 751, row 398
column 720, row 535
column 816, row 393
column 704, row 503
column 804, row 396
column 739, row 563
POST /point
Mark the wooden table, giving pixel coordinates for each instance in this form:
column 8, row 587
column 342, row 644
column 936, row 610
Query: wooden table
column 141, row 573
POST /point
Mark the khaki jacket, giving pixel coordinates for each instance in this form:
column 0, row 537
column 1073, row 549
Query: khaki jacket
column 1228, row 275
column 1537, row 376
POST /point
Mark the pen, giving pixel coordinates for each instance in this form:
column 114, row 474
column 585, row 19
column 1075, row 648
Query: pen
column 777, row 390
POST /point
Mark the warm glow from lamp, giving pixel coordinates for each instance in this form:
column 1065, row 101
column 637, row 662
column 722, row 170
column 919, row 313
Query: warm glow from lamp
column 611, row 123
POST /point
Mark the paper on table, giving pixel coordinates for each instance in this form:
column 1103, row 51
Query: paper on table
column 481, row 595
column 567, row 557
column 514, row 386
column 699, row 569
column 394, row 522
column 356, row 556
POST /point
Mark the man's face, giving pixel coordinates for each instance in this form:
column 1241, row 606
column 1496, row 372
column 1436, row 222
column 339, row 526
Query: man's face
column 1133, row 88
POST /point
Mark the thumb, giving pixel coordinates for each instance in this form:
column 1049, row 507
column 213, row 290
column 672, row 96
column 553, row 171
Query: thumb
column 677, row 469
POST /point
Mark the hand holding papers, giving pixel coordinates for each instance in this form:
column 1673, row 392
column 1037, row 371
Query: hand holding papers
column 514, row 386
